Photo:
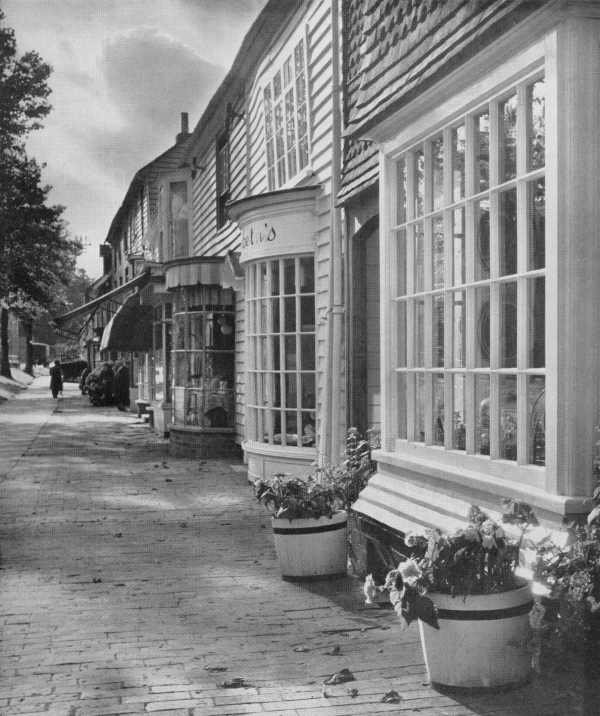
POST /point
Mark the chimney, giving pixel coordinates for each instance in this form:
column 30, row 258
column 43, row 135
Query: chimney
column 185, row 132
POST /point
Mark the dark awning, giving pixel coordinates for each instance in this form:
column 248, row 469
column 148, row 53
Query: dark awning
column 130, row 329
column 116, row 293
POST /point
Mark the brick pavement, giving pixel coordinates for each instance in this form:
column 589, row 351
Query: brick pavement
column 133, row 583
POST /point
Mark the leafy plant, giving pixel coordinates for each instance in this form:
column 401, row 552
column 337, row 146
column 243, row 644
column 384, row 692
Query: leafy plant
column 330, row 489
column 480, row 558
column 294, row 498
column 562, row 623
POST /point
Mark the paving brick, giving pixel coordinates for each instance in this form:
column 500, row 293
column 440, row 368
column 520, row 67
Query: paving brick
column 126, row 594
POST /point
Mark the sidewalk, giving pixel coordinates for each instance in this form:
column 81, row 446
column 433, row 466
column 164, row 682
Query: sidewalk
column 133, row 582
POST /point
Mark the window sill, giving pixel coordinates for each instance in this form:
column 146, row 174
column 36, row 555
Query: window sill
column 460, row 474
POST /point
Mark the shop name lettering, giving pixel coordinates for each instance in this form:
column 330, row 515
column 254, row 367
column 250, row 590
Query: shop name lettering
column 252, row 237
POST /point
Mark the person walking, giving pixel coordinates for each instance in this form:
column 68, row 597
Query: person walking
column 56, row 379
column 121, row 387
column 82, row 381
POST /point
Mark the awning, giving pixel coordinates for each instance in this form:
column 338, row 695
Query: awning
column 136, row 282
column 130, row 329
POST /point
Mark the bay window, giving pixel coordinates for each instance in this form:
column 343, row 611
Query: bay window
column 470, row 287
column 281, row 391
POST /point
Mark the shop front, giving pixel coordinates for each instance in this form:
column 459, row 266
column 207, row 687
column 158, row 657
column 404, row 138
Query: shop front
column 203, row 358
column 278, row 256
column 489, row 258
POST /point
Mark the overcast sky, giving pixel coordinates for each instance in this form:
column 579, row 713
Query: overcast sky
column 124, row 70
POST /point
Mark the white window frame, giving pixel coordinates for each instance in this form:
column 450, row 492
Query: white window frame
column 261, row 338
column 274, row 159
column 416, row 128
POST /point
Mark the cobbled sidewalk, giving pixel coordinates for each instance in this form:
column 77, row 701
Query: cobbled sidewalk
column 132, row 582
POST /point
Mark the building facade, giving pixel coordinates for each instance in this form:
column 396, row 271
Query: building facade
column 385, row 217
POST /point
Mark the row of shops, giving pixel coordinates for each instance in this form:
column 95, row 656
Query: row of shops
column 385, row 218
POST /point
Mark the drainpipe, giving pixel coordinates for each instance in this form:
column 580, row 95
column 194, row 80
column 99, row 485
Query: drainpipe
column 335, row 307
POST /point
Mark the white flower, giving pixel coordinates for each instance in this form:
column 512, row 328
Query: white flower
column 488, row 527
column 488, row 541
column 410, row 571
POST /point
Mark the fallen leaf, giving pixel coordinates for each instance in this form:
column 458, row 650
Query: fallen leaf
column 392, row 697
column 300, row 648
column 335, row 651
column 215, row 668
column 353, row 693
column 237, row 683
column 119, row 534
column 340, row 677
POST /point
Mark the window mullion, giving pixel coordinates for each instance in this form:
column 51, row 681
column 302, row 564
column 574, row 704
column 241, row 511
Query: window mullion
column 494, row 144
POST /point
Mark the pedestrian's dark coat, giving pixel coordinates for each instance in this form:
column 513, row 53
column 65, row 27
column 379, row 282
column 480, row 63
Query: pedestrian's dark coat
column 56, row 379
column 121, row 386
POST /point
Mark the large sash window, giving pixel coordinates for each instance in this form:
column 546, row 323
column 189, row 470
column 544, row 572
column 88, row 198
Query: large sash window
column 470, row 287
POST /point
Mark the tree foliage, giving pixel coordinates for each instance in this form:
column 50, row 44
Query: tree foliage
column 37, row 255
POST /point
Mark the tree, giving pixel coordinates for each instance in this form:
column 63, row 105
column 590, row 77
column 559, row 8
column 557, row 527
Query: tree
column 37, row 256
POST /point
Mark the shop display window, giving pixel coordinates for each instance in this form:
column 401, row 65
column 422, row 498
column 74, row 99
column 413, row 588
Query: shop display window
column 281, row 389
column 204, row 358
column 470, row 287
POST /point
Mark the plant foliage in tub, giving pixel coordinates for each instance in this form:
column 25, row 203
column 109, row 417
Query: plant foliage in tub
column 480, row 558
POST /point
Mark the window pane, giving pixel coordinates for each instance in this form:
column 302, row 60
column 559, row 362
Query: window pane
column 307, row 274
column 289, row 276
column 308, row 391
column 307, row 313
column 401, row 191
column 291, row 362
column 508, row 417
column 401, row 378
column 459, row 335
column 459, row 431
column 536, row 323
column 419, row 333
column 536, row 197
column 482, row 240
column 402, row 263
column 291, row 391
column 277, row 85
column 420, row 407
column 458, row 163
column 276, row 307
column 289, row 314
column 508, row 233
column 536, row 411
column 401, row 317
column 419, row 259
column 482, row 415
column 459, row 247
column 287, row 72
column 438, row 409
column 438, row 251
column 299, row 57
column 276, row 342
column 481, row 297
column 536, row 98
column 275, row 278
column 482, row 152
column 508, row 138
column 307, row 346
column 437, row 150
column 508, row 325
column 419, row 182
column 438, row 331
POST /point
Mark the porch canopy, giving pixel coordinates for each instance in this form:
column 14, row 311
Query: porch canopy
column 130, row 329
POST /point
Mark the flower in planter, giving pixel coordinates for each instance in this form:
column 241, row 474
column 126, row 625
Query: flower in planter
column 480, row 558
